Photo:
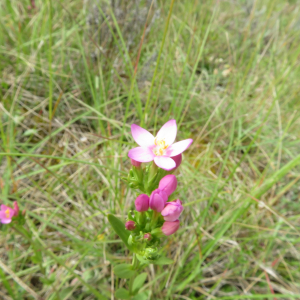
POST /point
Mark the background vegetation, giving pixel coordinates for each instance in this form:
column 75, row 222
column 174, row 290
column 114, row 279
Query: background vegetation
column 76, row 74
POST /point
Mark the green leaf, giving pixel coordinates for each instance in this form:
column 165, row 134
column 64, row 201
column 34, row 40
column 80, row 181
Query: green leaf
column 66, row 293
column 124, row 271
column 122, row 294
column 119, row 228
column 163, row 261
column 141, row 296
column 139, row 281
column 30, row 132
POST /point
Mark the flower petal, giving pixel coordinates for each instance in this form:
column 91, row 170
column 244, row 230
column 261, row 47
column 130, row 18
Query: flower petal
column 4, row 207
column 5, row 221
column 142, row 137
column 178, row 147
column 141, row 154
column 177, row 159
column 168, row 132
column 169, row 228
column 168, row 184
column 2, row 214
column 157, row 202
column 165, row 162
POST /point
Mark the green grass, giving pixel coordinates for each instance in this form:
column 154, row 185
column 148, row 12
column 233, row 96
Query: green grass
column 227, row 71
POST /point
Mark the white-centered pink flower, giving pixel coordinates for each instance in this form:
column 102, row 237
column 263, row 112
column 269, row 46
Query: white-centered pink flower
column 161, row 148
column 7, row 213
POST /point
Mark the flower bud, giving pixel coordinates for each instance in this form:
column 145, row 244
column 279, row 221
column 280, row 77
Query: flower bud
column 147, row 236
column 169, row 228
column 158, row 200
column 151, row 254
column 135, row 163
column 16, row 208
column 142, row 203
column 178, row 160
column 130, row 225
column 168, row 184
column 172, row 210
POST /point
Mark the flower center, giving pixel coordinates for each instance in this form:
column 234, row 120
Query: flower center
column 7, row 213
column 160, row 148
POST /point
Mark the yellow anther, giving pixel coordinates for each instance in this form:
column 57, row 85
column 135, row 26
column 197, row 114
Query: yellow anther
column 160, row 148
column 7, row 213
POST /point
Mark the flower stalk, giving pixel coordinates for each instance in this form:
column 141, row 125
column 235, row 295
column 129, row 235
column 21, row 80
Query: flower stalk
column 155, row 216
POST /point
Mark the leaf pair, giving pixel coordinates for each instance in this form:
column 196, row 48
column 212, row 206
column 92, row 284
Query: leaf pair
column 137, row 284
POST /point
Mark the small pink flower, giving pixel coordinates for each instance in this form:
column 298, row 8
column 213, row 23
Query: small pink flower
column 7, row 213
column 142, row 203
column 168, row 184
column 147, row 236
column 130, row 225
column 169, row 228
column 135, row 163
column 160, row 148
column 158, row 200
column 172, row 211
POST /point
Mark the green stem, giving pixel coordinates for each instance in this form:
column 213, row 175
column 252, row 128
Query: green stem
column 154, row 219
column 50, row 62
column 135, row 266
column 24, row 232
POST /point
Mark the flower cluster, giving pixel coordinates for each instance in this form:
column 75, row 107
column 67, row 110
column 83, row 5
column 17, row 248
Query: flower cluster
column 7, row 213
column 154, row 217
column 169, row 211
column 156, row 212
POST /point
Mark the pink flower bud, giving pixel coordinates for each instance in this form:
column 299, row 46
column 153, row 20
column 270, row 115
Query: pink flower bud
column 169, row 228
column 158, row 200
column 172, row 211
column 16, row 208
column 178, row 160
column 142, row 202
column 130, row 225
column 135, row 163
column 147, row 236
column 168, row 184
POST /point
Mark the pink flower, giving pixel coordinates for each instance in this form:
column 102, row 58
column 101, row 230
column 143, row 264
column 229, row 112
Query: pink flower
column 169, row 228
column 135, row 163
column 130, row 225
column 158, row 200
column 160, row 148
column 142, row 203
column 7, row 213
column 168, row 184
column 172, row 211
